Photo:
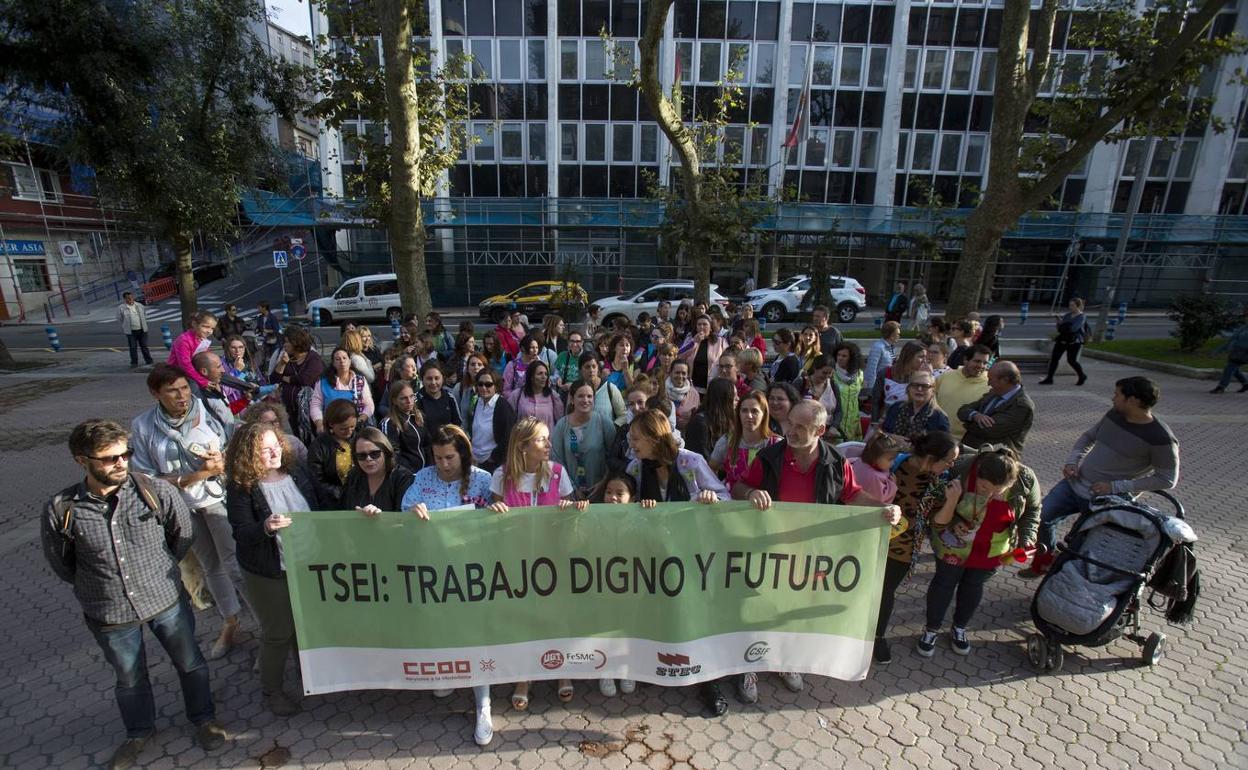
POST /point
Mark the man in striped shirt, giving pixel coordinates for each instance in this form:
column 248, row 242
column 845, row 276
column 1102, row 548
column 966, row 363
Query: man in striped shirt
column 1129, row 451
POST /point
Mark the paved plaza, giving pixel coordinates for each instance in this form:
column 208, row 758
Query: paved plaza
column 983, row 711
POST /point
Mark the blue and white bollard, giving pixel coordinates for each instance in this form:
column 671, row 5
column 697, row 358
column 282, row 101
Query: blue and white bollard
column 394, row 327
column 1122, row 311
column 286, row 312
column 1024, row 310
column 167, row 336
column 1111, row 329
column 54, row 339
column 879, row 324
column 316, row 319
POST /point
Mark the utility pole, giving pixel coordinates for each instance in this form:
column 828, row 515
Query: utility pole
column 1144, row 163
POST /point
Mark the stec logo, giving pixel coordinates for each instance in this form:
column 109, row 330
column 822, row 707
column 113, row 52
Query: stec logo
column 675, row 665
column 440, row 668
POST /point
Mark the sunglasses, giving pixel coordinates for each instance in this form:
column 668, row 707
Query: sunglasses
column 485, row 383
column 112, row 459
column 373, row 455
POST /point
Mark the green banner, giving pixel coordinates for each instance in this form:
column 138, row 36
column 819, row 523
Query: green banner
column 675, row 594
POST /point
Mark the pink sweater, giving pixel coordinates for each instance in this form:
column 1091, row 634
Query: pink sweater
column 878, row 487
column 184, row 349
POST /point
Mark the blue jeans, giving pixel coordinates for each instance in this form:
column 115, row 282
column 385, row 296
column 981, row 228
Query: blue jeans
column 1232, row 370
column 1060, row 503
column 123, row 649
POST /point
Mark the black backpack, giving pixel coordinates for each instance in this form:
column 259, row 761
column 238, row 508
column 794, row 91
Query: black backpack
column 1176, row 584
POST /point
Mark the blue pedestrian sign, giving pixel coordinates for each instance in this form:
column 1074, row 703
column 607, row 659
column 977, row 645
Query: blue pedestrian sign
column 298, row 251
column 280, row 259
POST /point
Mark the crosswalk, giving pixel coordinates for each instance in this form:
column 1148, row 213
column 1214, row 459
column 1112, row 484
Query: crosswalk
column 170, row 310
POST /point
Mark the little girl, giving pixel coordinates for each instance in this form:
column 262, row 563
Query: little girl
column 873, row 470
column 620, row 489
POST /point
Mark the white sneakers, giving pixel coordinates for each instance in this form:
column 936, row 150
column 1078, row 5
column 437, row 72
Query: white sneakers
column 442, row 693
column 627, row 686
column 608, row 689
column 793, row 681
column 748, row 687
column 485, row 724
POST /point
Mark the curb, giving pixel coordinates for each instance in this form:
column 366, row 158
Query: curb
column 1177, row 370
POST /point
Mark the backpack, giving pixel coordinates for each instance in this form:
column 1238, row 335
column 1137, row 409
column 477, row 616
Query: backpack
column 63, row 507
column 304, row 429
column 1176, row 580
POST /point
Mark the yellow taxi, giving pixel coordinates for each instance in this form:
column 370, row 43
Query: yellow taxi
column 533, row 298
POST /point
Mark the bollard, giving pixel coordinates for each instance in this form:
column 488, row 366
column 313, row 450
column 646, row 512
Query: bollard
column 286, row 312
column 879, row 324
column 167, row 336
column 54, row 339
column 394, row 327
column 1122, row 311
column 1111, row 329
column 316, row 319
column 1023, row 311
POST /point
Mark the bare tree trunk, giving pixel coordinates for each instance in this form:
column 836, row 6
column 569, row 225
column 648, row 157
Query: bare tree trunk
column 188, row 298
column 406, row 225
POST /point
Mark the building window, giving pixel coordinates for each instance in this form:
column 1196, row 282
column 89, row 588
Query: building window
column 483, row 147
column 764, row 63
column 708, row 62
column 623, row 59
column 950, row 150
column 934, row 68
column 924, row 146
column 509, row 64
column 595, row 60
column 537, row 141
column 569, row 68
column 595, row 143
column 649, row 144
column 32, row 274
column 843, row 149
column 739, row 61
column 817, row 148
column 537, row 59
column 987, row 72
column 567, row 142
column 851, row 67
column 797, row 64
column 825, row 66
column 758, row 145
column 33, row 184
column 511, row 142
column 622, row 143
column 684, row 61
column 483, row 59
column 963, row 69
column 910, row 77
column 974, row 161
column 878, row 71
column 868, row 148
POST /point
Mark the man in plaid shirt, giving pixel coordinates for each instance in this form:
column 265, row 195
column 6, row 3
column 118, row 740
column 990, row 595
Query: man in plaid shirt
column 118, row 538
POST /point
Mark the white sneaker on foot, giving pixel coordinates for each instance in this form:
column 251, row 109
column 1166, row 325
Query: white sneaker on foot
column 607, row 687
column 442, row 693
column 627, row 686
column 793, row 681
column 485, row 725
column 747, row 686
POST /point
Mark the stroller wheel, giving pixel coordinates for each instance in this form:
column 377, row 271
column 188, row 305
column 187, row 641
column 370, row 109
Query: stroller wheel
column 1056, row 657
column 1038, row 652
column 1154, row 648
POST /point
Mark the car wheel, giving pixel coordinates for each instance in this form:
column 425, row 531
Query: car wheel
column 195, row 283
column 327, row 317
column 774, row 312
column 846, row 312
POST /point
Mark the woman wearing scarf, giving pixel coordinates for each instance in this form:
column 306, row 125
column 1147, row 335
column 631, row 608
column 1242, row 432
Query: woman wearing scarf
column 918, row 414
column 683, row 395
column 921, row 476
column 701, row 350
column 665, row 473
column 847, row 378
column 820, row 387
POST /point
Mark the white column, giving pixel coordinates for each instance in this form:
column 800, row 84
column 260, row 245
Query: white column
column 1103, row 165
column 553, row 139
column 886, row 164
column 667, row 80
column 780, row 106
column 1213, row 159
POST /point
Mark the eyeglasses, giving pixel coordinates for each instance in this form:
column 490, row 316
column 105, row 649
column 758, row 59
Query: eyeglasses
column 485, row 383
column 271, row 450
column 373, row 455
column 112, row 459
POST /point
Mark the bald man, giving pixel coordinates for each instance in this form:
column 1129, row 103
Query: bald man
column 1003, row 415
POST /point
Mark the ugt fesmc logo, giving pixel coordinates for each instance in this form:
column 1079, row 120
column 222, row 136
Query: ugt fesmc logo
column 554, row 659
column 675, row 665
column 437, row 669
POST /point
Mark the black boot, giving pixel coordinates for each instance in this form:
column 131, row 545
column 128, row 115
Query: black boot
column 713, row 698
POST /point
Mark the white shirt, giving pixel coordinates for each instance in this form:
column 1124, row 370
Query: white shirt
column 283, row 497
column 483, row 443
column 527, row 482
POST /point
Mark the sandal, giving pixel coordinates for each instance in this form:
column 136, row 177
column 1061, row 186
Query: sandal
column 520, row 698
column 565, row 690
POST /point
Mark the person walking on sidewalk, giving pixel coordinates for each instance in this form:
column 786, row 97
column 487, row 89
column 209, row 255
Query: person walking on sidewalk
column 1236, row 356
column 1127, row 452
column 117, row 537
column 1072, row 329
column 133, row 319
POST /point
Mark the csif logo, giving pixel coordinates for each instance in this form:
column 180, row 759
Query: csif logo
column 756, row 652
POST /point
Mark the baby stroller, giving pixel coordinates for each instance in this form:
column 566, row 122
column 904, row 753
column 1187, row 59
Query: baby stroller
column 1092, row 592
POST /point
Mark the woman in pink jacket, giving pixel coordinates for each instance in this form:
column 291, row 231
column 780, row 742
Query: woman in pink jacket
column 702, row 350
column 192, row 341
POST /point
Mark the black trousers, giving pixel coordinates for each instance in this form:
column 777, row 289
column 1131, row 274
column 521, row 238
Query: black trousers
column 967, row 583
column 894, row 573
column 1071, row 349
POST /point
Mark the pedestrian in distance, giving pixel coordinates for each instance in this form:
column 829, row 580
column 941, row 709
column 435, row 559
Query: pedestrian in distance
column 1236, row 349
column 117, row 537
column 133, row 319
column 1072, row 329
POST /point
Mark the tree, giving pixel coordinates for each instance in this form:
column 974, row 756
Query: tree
column 168, row 101
column 710, row 211
column 425, row 109
column 1156, row 57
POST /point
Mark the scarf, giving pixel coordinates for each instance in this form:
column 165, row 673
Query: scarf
column 178, row 455
column 648, row 489
column 677, row 395
column 912, row 423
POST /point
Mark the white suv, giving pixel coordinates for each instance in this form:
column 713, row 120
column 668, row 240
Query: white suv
column 647, row 300
column 775, row 303
column 369, row 296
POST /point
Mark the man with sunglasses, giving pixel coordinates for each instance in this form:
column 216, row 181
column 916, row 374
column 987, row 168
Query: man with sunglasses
column 117, row 537
column 489, row 422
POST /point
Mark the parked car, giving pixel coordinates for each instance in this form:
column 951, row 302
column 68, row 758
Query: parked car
column 533, row 299
column 778, row 302
column 365, row 297
column 647, row 300
column 201, row 272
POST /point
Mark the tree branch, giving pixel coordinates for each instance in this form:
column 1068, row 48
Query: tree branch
column 1043, row 48
column 664, row 111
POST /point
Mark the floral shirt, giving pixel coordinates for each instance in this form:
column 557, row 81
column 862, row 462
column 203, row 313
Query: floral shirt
column 437, row 494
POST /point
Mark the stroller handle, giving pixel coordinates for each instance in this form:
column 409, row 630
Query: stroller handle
column 1174, row 502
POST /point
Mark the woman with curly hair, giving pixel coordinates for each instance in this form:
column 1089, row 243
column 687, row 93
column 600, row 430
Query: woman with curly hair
column 266, row 489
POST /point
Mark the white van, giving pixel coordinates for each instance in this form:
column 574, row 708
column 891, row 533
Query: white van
column 371, row 297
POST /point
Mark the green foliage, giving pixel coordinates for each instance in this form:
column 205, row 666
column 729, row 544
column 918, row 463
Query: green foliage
column 351, row 80
column 1198, row 319
column 169, row 102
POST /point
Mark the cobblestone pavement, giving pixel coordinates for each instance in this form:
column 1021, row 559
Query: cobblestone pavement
column 983, row 711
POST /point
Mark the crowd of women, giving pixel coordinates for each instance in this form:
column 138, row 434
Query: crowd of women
column 653, row 411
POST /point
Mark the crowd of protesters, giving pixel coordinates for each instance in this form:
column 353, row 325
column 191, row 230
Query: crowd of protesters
column 691, row 404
